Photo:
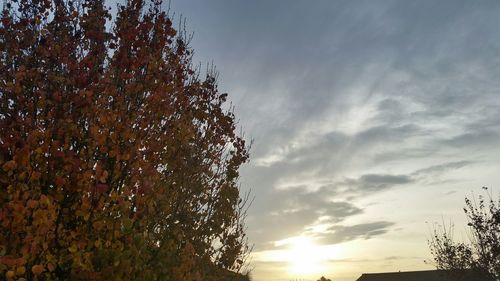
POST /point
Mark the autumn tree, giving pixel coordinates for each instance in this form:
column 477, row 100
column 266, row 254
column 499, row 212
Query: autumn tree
column 119, row 160
column 481, row 254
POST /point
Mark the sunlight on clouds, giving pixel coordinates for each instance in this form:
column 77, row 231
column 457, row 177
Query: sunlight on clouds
column 319, row 226
column 269, row 160
column 304, row 181
column 357, row 119
column 279, row 154
column 304, row 258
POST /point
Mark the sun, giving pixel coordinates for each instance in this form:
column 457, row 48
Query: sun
column 304, row 256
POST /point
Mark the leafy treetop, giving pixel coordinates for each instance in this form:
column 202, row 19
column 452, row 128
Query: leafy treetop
column 118, row 162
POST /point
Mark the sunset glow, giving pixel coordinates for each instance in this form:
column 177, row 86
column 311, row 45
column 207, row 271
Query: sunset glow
column 305, row 257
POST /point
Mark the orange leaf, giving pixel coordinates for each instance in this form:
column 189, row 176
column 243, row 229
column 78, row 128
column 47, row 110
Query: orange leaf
column 9, row 166
column 37, row 269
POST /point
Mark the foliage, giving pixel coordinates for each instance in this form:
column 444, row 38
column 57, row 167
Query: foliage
column 482, row 252
column 117, row 161
column 324, row 279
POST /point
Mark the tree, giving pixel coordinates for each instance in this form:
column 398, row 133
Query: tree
column 482, row 253
column 118, row 162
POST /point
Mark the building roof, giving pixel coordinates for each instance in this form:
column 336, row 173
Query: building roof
column 427, row 275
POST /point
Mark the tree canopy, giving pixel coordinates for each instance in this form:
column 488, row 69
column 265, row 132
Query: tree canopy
column 118, row 161
column 482, row 252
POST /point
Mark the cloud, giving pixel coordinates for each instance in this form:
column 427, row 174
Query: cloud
column 297, row 209
column 441, row 168
column 341, row 233
column 370, row 183
column 289, row 212
column 376, row 182
column 478, row 138
column 348, row 99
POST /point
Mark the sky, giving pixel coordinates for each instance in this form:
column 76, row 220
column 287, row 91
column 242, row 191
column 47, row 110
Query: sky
column 371, row 121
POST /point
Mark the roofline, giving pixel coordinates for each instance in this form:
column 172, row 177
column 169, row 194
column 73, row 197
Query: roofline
column 413, row 271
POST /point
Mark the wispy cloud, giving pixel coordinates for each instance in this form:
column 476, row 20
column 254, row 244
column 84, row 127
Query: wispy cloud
column 341, row 233
column 347, row 101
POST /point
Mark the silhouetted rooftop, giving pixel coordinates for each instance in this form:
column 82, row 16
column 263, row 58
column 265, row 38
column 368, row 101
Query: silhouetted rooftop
column 427, row 275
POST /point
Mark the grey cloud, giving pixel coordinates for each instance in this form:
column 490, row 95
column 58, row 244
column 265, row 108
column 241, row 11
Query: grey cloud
column 340, row 210
column 331, row 153
column 383, row 180
column 389, row 258
column 319, row 49
column 482, row 130
column 370, row 183
column 287, row 213
column 442, row 168
column 404, row 154
column 376, row 182
column 435, row 174
column 477, row 138
column 340, row 233
column 387, row 133
column 391, row 111
column 264, row 230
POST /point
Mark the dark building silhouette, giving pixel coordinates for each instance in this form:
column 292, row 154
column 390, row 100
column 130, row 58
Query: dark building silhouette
column 427, row 275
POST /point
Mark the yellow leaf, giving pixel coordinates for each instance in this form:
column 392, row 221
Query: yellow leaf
column 10, row 274
column 73, row 248
column 20, row 270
